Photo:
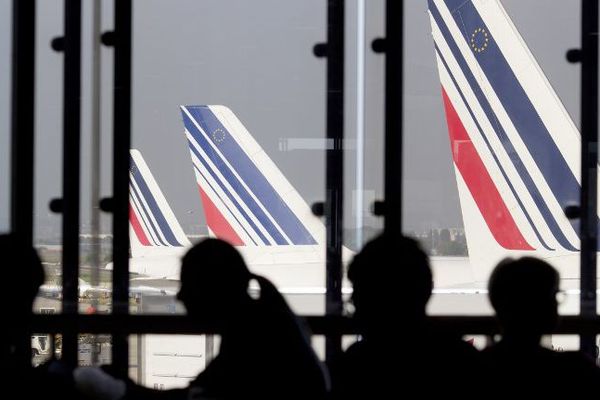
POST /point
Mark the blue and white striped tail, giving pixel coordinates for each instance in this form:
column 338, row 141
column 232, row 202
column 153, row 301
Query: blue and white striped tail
column 516, row 150
column 246, row 199
column 151, row 221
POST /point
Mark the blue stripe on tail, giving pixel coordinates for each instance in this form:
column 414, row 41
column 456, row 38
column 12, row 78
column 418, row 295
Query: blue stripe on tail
column 154, row 208
column 502, row 136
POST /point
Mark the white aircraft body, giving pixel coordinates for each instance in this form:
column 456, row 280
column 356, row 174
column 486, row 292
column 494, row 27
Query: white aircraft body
column 54, row 291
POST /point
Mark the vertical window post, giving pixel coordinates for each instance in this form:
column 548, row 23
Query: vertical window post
column 22, row 118
column 589, row 165
column 121, row 145
column 334, row 181
column 22, row 127
column 393, row 115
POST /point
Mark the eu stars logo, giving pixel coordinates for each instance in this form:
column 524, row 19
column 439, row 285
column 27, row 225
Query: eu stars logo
column 218, row 135
column 132, row 169
column 479, row 40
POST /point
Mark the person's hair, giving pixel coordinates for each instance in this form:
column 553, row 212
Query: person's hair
column 516, row 284
column 389, row 261
column 222, row 268
column 216, row 261
column 273, row 301
column 23, row 268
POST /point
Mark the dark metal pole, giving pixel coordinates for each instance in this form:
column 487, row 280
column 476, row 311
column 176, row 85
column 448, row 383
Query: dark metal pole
column 22, row 128
column 393, row 116
column 589, row 165
column 71, row 175
column 334, row 166
column 22, row 118
column 121, row 145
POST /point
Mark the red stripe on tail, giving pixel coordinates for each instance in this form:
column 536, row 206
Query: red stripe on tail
column 217, row 223
column 139, row 232
column 480, row 184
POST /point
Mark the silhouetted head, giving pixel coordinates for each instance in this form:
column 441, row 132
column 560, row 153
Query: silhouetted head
column 523, row 294
column 214, row 281
column 23, row 274
column 390, row 276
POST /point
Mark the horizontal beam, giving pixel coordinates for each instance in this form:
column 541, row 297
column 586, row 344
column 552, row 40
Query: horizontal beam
column 319, row 325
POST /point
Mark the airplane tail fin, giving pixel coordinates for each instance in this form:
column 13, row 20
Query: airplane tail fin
column 246, row 199
column 152, row 224
column 514, row 146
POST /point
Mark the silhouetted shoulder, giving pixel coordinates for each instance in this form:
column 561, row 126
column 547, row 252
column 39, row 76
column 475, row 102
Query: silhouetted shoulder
column 401, row 366
column 272, row 359
column 580, row 368
column 539, row 370
column 49, row 380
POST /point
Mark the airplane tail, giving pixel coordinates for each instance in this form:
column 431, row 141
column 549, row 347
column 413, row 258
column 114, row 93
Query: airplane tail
column 246, row 199
column 514, row 146
column 152, row 224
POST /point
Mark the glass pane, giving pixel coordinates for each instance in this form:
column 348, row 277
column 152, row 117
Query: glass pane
column 561, row 342
column 169, row 361
column 491, row 162
column 94, row 349
column 199, row 170
column 43, row 348
column 48, row 152
column 94, row 288
column 228, row 131
column 95, row 240
column 363, row 129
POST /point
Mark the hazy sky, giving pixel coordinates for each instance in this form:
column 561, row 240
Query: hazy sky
column 256, row 58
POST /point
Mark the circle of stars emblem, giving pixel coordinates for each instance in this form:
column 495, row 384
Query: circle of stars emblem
column 218, row 135
column 479, row 40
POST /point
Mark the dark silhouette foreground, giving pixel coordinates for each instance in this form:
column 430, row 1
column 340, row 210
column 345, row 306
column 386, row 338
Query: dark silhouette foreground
column 23, row 275
column 523, row 293
column 264, row 351
column 401, row 352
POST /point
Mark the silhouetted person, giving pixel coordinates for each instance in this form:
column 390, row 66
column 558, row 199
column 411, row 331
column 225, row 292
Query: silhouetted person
column 264, row 352
column 22, row 275
column 400, row 351
column 523, row 293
